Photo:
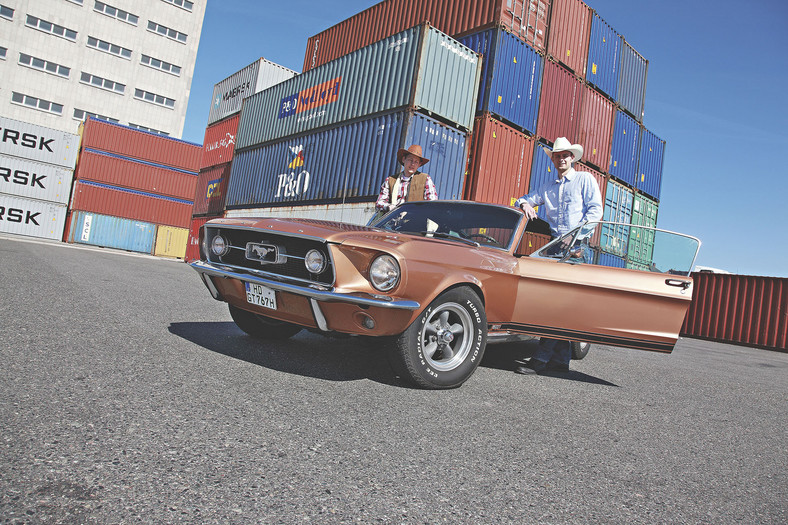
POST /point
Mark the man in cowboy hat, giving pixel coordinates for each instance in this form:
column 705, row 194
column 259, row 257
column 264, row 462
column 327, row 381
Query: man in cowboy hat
column 409, row 184
column 569, row 200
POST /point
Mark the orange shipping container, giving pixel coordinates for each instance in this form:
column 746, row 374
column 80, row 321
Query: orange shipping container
column 570, row 30
column 595, row 131
column 219, row 144
column 212, row 190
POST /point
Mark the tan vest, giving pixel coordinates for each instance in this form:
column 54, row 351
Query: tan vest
column 415, row 191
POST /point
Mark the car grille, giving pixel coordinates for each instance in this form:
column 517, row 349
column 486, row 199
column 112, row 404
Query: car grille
column 288, row 260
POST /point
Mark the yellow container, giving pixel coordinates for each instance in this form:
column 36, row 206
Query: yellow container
column 171, row 241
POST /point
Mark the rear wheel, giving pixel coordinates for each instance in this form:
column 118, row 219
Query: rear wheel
column 580, row 349
column 262, row 327
column 444, row 345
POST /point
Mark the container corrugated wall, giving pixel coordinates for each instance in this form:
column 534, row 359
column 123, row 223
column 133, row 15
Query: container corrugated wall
column 595, row 130
column 561, row 101
column 631, row 92
column 38, row 143
column 192, row 252
column 500, row 163
column 570, row 31
column 625, row 150
column 604, row 57
column 219, row 143
column 32, row 217
column 420, row 67
column 542, row 172
column 610, row 260
column 111, row 232
column 739, row 309
column 652, row 156
column 211, row 192
column 530, row 242
column 346, row 162
column 171, row 242
column 618, row 208
column 35, row 180
column 601, row 181
column 528, row 19
column 641, row 241
column 511, row 79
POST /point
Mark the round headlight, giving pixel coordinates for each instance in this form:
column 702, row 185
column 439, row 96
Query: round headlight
column 384, row 273
column 315, row 261
column 219, row 246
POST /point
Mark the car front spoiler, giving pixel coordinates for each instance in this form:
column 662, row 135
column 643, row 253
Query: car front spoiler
column 314, row 292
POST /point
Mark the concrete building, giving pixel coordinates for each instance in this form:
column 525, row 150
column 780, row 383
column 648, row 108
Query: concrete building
column 126, row 61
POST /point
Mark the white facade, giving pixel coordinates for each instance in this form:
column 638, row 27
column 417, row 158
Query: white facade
column 127, row 61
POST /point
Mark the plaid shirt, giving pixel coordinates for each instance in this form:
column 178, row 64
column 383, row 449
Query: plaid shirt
column 384, row 201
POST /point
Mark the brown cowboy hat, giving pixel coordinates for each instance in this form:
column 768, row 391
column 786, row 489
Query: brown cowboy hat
column 414, row 150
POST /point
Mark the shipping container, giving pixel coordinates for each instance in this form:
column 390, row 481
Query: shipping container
column 131, row 204
column 124, row 172
column 542, row 172
column 528, row 19
column 192, row 252
column 604, row 57
column 631, row 92
column 141, row 145
column 570, row 31
column 31, row 217
column 650, row 162
column 595, row 131
column 347, row 162
column 530, row 242
column 212, row 190
column 560, row 103
column 511, row 79
column 38, row 143
column 641, row 241
column 111, row 232
column 610, row 260
column 499, row 169
column 358, row 213
column 420, row 68
column 624, row 151
column 35, row 180
column 739, row 309
column 601, row 181
column 614, row 239
column 171, row 242
column 219, row 143
column 230, row 92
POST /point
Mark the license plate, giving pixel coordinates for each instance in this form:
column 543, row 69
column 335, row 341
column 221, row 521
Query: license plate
column 260, row 295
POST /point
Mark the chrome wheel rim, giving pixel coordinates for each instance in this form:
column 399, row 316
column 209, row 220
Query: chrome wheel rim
column 447, row 337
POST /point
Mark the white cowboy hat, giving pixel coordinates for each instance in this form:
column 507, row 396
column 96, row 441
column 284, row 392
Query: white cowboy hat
column 562, row 144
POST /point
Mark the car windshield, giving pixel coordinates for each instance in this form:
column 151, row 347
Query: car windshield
column 473, row 223
column 624, row 245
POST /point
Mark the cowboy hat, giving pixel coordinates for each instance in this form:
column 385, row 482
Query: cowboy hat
column 562, row 144
column 414, row 150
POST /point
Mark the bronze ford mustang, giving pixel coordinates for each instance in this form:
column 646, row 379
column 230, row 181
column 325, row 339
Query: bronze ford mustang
column 437, row 279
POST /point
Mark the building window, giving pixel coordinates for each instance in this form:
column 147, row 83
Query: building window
column 3, row 52
column 44, row 65
column 166, row 31
column 153, row 98
column 36, row 103
column 149, row 130
column 49, row 27
column 81, row 114
column 102, row 83
column 107, row 47
column 114, row 12
column 6, row 12
column 75, row 1
column 155, row 63
column 183, row 4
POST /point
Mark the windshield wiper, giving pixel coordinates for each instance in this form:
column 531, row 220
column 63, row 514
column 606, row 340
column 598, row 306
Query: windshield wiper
column 444, row 235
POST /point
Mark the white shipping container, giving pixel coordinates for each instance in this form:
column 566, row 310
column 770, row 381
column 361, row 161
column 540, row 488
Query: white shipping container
column 32, row 217
column 357, row 213
column 36, row 180
column 39, row 143
column 230, row 92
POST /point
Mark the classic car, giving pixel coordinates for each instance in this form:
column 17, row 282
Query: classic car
column 436, row 281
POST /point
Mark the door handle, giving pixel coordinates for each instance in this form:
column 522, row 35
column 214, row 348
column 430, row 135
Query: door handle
column 679, row 282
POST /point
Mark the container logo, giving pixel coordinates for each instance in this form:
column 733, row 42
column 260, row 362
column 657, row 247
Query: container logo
column 292, row 184
column 310, row 98
column 86, row 228
column 22, row 177
column 27, row 140
column 214, row 190
column 224, row 142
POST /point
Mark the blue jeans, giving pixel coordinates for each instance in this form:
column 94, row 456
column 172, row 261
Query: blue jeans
column 555, row 350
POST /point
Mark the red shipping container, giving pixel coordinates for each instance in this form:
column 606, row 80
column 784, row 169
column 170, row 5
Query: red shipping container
column 130, row 204
column 531, row 242
column 500, row 162
column 128, row 173
column 137, row 144
column 528, row 19
column 595, row 131
column 212, row 190
column 570, row 30
column 193, row 244
column 560, row 103
column 219, row 144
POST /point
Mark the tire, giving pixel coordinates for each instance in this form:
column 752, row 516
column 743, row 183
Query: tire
column 444, row 345
column 580, row 349
column 262, row 327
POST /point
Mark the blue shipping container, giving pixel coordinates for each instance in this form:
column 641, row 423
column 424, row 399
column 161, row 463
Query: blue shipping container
column 632, row 82
column 624, row 152
column 604, row 57
column 346, row 163
column 650, row 162
column 608, row 259
column 112, row 232
column 511, row 79
column 542, row 172
column 618, row 208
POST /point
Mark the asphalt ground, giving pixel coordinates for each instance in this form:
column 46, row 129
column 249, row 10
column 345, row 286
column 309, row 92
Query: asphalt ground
column 127, row 395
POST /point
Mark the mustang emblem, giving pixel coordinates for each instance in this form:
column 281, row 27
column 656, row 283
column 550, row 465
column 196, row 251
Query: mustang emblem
column 265, row 253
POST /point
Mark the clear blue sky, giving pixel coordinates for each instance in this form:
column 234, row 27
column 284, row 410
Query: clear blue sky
column 716, row 80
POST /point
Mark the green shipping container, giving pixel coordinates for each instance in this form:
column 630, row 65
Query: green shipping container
column 641, row 242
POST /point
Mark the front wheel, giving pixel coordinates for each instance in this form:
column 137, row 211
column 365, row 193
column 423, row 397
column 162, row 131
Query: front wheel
column 444, row 345
column 580, row 349
column 262, row 327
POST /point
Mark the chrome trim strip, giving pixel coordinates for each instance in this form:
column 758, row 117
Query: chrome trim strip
column 318, row 292
column 319, row 317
